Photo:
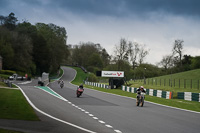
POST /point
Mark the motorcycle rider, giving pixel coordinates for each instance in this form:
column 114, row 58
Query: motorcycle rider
column 139, row 90
column 61, row 83
column 79, row 90
column 81, row 86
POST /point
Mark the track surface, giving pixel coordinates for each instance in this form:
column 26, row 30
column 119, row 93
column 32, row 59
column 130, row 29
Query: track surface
column 93, row 108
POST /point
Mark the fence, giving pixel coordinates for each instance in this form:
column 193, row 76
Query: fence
column 179, row 83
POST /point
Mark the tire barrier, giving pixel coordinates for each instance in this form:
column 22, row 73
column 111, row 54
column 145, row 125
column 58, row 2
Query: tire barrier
column 189, row 96
column 151, row 92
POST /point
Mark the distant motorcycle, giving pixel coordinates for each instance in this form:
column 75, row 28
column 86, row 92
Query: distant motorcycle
column 61, row 85
column 79, row 91
column 140, row 99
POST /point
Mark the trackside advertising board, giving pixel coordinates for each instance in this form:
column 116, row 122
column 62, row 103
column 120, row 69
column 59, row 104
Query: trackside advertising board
column 112, row 74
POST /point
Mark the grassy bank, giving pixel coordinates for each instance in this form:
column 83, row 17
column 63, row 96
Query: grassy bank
column 188, row 81
column 80, row 76
column 189, row 105
column 13, row 105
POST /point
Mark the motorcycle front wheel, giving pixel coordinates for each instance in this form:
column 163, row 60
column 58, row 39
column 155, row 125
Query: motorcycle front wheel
column 138, row 102
column 142, row 102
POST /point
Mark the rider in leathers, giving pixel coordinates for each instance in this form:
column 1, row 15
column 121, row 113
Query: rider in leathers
column 139, row 90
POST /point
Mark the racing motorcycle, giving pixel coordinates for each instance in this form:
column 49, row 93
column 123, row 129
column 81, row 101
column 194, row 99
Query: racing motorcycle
column 61, row 85
column 140, row 99
column 79, row 91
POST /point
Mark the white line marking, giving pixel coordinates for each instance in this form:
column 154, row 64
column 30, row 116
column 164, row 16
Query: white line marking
column 102, row 122
column 81, row 128
column 95, row 118
column 90, row 114
column 87, row 112
column 117, row 131
column 109, row 126
column 27, row 82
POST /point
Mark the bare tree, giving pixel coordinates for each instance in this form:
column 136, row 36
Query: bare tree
column 133, row 51
column 121, row 52
column 143, row 52
column 178, row 49
column 167, row 61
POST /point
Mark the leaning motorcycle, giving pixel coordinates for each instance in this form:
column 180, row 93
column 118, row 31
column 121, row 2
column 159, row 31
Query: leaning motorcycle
column 61, row 85
column 79, row 91
column 140, row 99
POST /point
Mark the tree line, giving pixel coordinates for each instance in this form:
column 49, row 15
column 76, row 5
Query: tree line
column 31, row 49
column 42, row 47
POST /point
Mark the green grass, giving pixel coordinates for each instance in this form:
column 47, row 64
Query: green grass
column 13, row 105
column 2, row 84
column 80, row 77
column 8, row 131
column 179, row 82
column 4, row 76
column 189, row 105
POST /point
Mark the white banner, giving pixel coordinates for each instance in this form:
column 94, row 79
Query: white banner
column 112, row 73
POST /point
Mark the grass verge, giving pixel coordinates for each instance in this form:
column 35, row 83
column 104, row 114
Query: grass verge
column 188, row 81
column 189, row 105
column 13, row 105
column 80, row 76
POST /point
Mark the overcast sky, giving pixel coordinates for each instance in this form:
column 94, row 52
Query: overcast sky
column 155, row 23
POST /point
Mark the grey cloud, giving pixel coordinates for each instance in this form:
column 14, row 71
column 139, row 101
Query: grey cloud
column 128, row 7
column 120, row 7
column 3, row 3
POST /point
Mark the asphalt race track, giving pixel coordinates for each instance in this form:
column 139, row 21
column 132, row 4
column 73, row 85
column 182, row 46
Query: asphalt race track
column 98, row 112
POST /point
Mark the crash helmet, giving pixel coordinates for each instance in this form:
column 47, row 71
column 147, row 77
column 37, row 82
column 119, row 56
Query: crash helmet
column 141, row 87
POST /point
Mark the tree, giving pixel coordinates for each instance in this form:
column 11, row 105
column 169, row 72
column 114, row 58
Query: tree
column 6, row 49
column 84, row 54
column 166, row 61
column 10, row 21
column 105, row 57
column 22, row 46
column 178, row 49
column 142, row 53
column 196, row 62
column 95, row 63
column 121, row 53
column 122, row 50
column 134, row 51
column 41, row 54
column 55, row 38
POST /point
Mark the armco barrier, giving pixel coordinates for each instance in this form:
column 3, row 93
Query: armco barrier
column 151, row 92
column 189, row 96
